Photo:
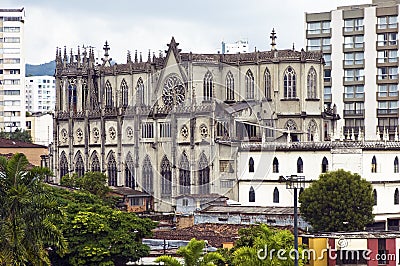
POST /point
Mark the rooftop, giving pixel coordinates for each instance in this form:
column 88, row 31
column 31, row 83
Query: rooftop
column 8, row 143
column 129, row 192
column 274, row 210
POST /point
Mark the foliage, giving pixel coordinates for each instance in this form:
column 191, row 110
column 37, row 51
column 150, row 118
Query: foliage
column 92, row 182
column 192, row 255
column 338, row 201
column 257, row 243
column 26, row 214
column 18, row 134
column 98, row 234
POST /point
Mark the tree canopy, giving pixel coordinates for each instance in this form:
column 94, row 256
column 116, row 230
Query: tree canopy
column 338, row 201
column 18, row 134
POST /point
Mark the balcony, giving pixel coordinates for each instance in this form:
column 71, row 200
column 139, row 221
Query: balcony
column 353, row 80
column 387, row 61
column 387, row 44
column 353, row 47
column 387, row 27
column 393, row 112
column 353, row 30
column 353, row 113
column 387, row 96
column 387, row 78
column 389, row 128
column 360, row 63
column 354, row 97
column 320, row 33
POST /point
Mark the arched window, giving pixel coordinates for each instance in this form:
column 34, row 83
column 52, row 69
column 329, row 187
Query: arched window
column 95, row 163
column 184, row 175
column 208, row 86
column 375, row 197
column 72, row 97
column 140, row 98
column 276, row 195
column 63, row 165
column 252, row 195
column 147, row 175
column 204, row 175
column 79, row 165
column 396, row 165
column 325, row 165
column 124, row 91
column 374, row 165
column 166, row 177
column 267, row 84
column 230, row 87
column 251, row 165
column 312, row 84
column 312, row 130
column 289, row 83
column 396, row 197
column 275, row 165
column 299, row 165
column 112, row 170
column 249, row 85
column 109, row 95
column 129, row 172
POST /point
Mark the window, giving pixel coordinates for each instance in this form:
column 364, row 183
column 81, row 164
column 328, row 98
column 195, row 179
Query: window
column 166, row 177
column 140, row 98
column 63, row 165
column 387, row 39
column 388, row 107
column 312, row 84
column 124, row 90
column 129, row 172
column 396, row 165
column 320, row 44
column 387, row 73
column 387, row 56
column 351, row 92
column 396, row 197
column 276, row 195
column 299, row 165
column 355, row 108
column 325, row 165
column 267, row 84
column 351, row 42
column 95, row 165
column 223, row 129
column 165, row 129
column 147, row 175
column 109, row 95
column 207, row 86
column 328, row 94
column 230, row 87
column 79, row 165
column 328, row 60
column 112, row 170
column 11, row 39
column 184, row 175
column 252, row 195
column 356, row 58
column 185, row 202
column 11, row 29
column 388, row 22
column 373, row 165
column 251, row 165
column 289, row 83
column 275, row 165
column 226, row 166
column 226, row 183
column 354, row 24
column 375, row 197
column 327, row 75
column 147, row 130
column 249, row 85
column 204, row 175
column 319, row 27
column 354, row 75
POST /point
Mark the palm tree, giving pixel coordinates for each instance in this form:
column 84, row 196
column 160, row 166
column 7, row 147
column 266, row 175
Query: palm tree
column 192, row 255
column 26, row 214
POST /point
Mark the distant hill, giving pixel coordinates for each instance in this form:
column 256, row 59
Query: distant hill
column 46, row 69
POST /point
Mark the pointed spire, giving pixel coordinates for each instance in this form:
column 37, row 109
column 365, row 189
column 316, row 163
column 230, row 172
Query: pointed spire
column 128, row 57
column 293, row 47
column 141, row 57
column 78, row 57
column 154, row 57
column 84, row 53
column 148, row 57
column 65, row 54
column 106, row 49
column 71, row 59
column 136, row 60
column 273, row 40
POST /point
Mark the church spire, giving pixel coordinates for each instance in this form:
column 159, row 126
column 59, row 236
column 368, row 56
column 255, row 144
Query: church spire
column 128, row 57
column 136, row 56
column 273, row 40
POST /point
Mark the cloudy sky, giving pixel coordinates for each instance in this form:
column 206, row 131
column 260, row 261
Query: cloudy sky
column 199, row 26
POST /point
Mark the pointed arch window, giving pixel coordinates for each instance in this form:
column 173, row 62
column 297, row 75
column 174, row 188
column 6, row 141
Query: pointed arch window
column 63, row 165
column 252, row 195
column 140, row 97
column 276, row 195
column 109, row 95
column 374, row 165
column 396, row 165
column 147, row 175
column 129, row 172
column 72, row 97
column 112, row 170
column 396, row 197
column 325, row 165
column 249, row 85
column 204, row 175
column 166, row 177
column 312, row 84
column 289, row 83
column 125, row 94
column 251, row 165
column 275, row 165
column 375, row 197
column 267, row 84
column 95, row 165
column 299, row 165
column 184, row 175
column 312, row 130
column 230, row 87
column 79, row 165
column 208, row 86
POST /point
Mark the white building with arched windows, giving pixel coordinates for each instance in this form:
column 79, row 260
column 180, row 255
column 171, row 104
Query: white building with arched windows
column 174, row 124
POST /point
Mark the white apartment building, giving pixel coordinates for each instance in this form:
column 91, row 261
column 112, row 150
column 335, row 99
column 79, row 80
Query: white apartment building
column 241, row 46
column 40, row 94
column 12, row 69
column 360, row 46
column 40, row 126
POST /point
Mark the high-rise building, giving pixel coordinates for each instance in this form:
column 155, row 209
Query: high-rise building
column 241, row 46
column 360, row 46
column 12, row 69
column 40, row 94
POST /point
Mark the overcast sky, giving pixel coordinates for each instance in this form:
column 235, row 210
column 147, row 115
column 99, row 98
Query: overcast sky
column 199, row 26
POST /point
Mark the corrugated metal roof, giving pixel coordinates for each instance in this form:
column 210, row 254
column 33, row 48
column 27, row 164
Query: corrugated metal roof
column 272, row 210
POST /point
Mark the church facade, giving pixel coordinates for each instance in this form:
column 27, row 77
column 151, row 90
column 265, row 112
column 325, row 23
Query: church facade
column 173, row 125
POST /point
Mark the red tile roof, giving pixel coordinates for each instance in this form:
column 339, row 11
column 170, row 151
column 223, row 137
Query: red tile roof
column 8, row 143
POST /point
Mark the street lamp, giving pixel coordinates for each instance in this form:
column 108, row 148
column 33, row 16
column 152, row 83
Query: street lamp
column 295, row 182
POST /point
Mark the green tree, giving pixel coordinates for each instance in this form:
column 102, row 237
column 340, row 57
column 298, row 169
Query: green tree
column 192, row 255
column 18, row 134
column 26, row 214
column 338, row 201
column 92, row 182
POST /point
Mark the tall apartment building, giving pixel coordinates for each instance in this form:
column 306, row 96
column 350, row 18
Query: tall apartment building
column 241, row 46
column 360, row 46
column 40, row 94
column 12, row 69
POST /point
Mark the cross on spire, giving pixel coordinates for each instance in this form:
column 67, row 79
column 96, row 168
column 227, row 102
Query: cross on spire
column 106, row 48
column 273, row 38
